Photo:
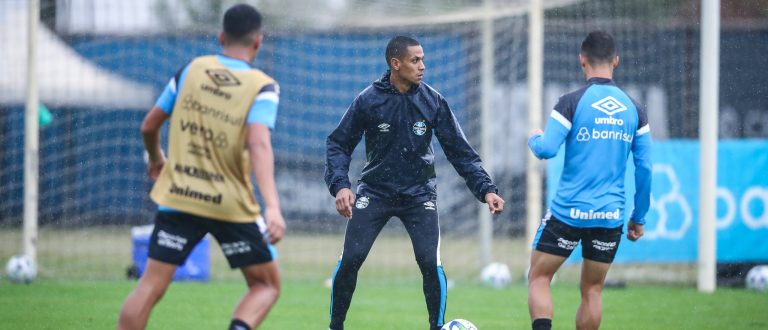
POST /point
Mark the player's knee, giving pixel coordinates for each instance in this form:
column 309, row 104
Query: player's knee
column 268, row 288
column 539, row 278
column 428, row 271
column 351, row 261
column 427, row 264
column 151, row 293
column 427, row 261
column 591, row 290
column 540, row 274
column 273, row 290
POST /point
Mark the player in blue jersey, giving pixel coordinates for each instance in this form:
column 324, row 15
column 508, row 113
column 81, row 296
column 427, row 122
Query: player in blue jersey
column 398, row 115
column 220, row 112
column 600, row 125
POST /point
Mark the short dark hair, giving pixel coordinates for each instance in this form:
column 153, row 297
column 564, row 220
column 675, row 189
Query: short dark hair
column 398, row 47
column 240, row 22
column 598, row 47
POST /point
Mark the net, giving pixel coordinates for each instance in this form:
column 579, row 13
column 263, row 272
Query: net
column 101, row 69
column 93, row 184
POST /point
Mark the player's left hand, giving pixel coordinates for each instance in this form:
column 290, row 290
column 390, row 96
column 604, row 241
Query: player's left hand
column 495, row 203
column 634, row 231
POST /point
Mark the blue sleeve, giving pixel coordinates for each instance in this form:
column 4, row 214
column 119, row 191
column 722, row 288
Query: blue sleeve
column 464, row 159
column 264, row 108
column 545, row 146
column 168, row 98
column 339, row 147
column 641, row 154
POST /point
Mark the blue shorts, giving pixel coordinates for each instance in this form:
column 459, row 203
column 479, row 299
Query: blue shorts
column 176, row 234
column 558, row 238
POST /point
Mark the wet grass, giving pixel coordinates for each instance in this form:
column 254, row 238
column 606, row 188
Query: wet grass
column 304, row 304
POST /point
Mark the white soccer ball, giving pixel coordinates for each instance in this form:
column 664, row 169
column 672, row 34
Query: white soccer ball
column 21, row 269
column 757, row 278
column 459, row 324
column 496, row 275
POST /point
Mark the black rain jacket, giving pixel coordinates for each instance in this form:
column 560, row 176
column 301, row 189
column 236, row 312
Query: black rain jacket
column 398, row 129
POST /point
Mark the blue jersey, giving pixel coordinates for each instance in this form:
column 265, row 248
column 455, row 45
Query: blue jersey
column 600, row 125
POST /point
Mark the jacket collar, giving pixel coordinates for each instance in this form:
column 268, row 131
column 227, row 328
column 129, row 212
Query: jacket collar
column 599, row 80
column 385, row 85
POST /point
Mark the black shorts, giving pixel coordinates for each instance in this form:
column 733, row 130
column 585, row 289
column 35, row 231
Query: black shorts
column 558, row 238
column 176, row 234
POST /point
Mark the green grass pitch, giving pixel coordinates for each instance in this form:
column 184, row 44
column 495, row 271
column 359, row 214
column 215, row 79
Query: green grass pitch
column 304, row 305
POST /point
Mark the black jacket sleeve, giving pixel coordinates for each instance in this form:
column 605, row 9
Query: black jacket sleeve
column 464, row 159
column 339, row 147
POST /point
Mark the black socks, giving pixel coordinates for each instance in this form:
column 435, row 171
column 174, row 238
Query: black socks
column 239, row 325
column 541, row 324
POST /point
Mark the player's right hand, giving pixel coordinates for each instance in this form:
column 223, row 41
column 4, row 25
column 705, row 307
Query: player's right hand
column 275, row 224
column 495, row 203
column 155, row 163
column 344, row 201
column 634, row 231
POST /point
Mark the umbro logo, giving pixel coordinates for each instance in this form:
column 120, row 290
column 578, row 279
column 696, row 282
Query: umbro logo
column 384, row 127
column 222, row 77
column 609, row 105
column 430, row 205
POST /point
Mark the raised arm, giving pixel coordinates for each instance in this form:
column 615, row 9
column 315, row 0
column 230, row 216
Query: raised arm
column 545, row 145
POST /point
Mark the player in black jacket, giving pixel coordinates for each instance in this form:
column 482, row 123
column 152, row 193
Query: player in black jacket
column 398, row 115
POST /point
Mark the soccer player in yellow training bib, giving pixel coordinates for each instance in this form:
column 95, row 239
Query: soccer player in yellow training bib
column 221, row 111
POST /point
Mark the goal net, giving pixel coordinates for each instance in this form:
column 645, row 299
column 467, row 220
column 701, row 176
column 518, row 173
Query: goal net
column 100, row 70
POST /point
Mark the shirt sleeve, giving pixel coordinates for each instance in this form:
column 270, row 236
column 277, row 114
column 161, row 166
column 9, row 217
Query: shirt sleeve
column 264, row 108
column 167, row 98
column 339, row 147
column 641, row 155
column 545, row 146
column 462, row 156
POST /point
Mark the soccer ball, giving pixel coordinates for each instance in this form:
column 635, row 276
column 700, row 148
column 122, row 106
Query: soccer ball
column 21, row 269
column 757, row 278
column 496, row 275
column 459, row 324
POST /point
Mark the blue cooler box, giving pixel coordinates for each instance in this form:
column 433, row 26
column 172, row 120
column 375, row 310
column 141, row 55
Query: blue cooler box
column 196, row 268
